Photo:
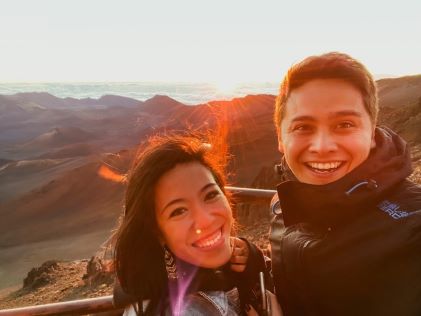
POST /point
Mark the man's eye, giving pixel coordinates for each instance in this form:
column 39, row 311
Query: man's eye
column 212, row 195
column 178, row 211
column 345, row 125
column 302, row 128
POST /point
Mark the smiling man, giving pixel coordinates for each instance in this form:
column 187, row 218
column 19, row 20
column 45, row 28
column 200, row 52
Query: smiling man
column 346, row 238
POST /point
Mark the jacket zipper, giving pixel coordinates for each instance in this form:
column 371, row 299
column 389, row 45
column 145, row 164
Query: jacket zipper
column 307, row 293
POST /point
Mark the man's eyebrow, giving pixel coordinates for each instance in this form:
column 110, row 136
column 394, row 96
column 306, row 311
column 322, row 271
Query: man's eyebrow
column 303, row 118
column 331, row 115
column 208, row 185
column 345, row 113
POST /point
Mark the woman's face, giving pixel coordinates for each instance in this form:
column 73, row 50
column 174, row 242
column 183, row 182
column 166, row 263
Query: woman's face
column 193, row 215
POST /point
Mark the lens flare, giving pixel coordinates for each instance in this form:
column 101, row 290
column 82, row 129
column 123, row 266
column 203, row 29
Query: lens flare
column 106, row 173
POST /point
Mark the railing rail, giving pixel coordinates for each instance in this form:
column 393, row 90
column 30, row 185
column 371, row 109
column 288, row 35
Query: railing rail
column 105, row 303
column 78, row 307
column 249, row 194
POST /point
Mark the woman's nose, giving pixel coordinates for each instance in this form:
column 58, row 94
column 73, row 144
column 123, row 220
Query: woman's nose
column 202, row 218
column 323, row 142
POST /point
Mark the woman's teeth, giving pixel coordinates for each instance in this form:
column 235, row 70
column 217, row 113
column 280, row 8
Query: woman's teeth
column 324, row 166
column 209, row 241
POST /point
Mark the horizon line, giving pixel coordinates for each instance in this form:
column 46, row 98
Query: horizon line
column 211, row 82
column 134, row 81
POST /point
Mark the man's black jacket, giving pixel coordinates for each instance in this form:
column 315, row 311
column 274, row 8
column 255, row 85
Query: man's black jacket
column 351, row 247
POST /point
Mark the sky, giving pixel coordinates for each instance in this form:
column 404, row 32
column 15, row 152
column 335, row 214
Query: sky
column 223, row 41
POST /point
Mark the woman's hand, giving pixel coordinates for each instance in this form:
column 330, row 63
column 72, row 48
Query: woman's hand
column 240, row 254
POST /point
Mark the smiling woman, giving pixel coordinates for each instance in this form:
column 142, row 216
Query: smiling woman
column 195, row 218
column 175, row 245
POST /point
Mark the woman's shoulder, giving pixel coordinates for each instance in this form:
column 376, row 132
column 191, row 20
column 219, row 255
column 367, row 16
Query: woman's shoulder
column 203, row 303
column 213, row 303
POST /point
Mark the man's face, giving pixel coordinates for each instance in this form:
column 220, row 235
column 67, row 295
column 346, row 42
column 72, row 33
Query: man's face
column 326, row 131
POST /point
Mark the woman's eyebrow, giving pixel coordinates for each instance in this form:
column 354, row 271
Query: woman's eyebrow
column 175, row 201
column 207, row 186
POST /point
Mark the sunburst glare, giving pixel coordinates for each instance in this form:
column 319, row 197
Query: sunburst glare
column 225, row 86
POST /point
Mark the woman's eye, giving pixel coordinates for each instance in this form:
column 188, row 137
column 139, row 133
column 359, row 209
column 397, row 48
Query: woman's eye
column 178, row 211
column 211, row 195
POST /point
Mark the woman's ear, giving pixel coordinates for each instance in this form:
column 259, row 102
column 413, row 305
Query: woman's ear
column 161, row 240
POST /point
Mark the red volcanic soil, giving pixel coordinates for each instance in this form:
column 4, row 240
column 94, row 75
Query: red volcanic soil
column 72, row 204
column 20, row 177
column 68, row 216
column 72, row 150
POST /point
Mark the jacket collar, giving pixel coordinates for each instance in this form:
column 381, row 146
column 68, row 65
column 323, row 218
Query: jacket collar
column 327, row 205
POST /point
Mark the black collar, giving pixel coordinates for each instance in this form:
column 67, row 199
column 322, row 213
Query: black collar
column 328, row 205
column 192, row 278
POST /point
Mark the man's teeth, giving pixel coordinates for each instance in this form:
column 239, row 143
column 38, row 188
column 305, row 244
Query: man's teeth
column 324, row 165
column 210, row 241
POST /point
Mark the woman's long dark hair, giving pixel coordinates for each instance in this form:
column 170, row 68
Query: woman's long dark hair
column 138, row 255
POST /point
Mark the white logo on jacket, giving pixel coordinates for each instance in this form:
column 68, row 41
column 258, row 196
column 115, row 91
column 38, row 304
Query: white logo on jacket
column 392, row 209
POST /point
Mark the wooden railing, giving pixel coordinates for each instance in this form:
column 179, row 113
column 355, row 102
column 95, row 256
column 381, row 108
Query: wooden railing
column 78, row 307
column 250, row 195
column 104, row 305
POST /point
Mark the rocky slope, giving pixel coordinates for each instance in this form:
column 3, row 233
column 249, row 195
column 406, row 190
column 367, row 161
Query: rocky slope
column 58, row 281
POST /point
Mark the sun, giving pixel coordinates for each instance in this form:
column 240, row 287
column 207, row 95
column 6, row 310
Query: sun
column 225, row 86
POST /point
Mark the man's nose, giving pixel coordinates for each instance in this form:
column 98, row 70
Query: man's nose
column 323, row 142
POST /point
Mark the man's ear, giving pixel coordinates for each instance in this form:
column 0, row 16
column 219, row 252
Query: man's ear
column 280, row 144
column 373, row 139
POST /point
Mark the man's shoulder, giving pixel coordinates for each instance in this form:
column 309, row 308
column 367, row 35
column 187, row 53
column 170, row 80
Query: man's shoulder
column 402, row 201
column 408, row 194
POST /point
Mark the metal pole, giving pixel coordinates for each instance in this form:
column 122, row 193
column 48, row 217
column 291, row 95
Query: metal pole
column 78, row 307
